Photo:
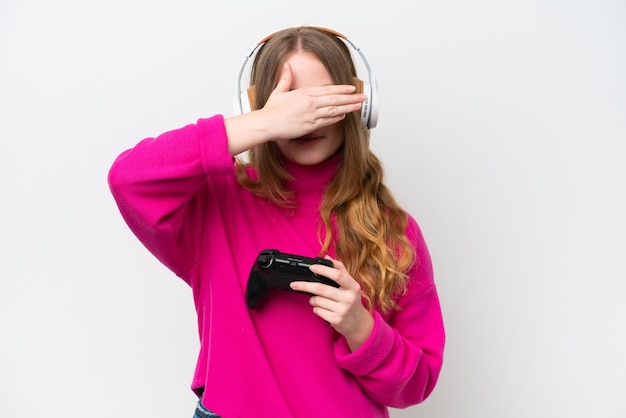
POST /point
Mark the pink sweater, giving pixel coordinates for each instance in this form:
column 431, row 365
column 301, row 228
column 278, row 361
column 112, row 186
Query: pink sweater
column 179, row 195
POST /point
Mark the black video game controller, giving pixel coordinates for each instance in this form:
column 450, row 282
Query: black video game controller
column 275, row 270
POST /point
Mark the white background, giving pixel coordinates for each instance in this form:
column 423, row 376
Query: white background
column 502, row 128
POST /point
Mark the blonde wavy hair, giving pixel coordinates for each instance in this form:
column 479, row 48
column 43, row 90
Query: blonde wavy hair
column 360, row 217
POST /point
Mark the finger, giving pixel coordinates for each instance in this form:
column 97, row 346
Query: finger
column 333, row 272
column 321, row 122
column 326, row 271
column 338, row 99
column 338, row 104
column 316, row 288
column 333, row 89
column 337, row 273
column 325, row 309
column 327, row 316
column 333, row 112
column 323, row 303
column 284, row 81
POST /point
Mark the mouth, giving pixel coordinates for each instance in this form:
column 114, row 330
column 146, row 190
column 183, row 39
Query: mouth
column 308, row 139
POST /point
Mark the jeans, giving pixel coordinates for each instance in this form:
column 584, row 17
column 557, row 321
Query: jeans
column 202, row 412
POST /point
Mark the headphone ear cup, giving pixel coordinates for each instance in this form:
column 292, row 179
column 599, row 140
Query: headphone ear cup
column 358, row 84
column 366, row 106
column 243, row 106
column 369, row 112
column 246, row 101
column 250, row 97
column 362, row 87
column 371, row 103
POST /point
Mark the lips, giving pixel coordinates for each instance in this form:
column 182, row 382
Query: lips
column 308, row 138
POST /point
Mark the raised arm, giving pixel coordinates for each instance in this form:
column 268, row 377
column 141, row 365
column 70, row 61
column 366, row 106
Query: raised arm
column 158, row 187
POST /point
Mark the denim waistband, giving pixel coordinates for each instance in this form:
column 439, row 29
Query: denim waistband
column 202, row 412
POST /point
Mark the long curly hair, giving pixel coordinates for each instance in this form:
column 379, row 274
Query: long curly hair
column 360, row 217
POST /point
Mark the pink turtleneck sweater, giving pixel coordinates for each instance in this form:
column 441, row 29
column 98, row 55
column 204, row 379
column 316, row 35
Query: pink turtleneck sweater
column 179, row 195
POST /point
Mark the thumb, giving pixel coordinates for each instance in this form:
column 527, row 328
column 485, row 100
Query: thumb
column 284, row 81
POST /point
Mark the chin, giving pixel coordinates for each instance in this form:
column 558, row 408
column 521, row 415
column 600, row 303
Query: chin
column 307, row 159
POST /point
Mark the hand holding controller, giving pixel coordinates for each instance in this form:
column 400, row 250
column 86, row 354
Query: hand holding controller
column 275, row 270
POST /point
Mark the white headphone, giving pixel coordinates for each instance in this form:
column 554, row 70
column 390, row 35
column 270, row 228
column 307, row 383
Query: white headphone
column 369, row 108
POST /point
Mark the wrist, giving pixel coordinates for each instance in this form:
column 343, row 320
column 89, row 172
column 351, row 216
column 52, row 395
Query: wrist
column 246, row 131
column 362, row 333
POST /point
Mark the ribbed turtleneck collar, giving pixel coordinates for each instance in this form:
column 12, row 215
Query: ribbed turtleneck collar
column 310, row 181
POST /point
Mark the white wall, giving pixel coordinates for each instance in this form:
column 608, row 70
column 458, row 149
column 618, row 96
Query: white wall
column 502, row 128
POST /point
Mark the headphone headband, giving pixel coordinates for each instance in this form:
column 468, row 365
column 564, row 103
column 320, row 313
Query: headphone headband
column 369, row 109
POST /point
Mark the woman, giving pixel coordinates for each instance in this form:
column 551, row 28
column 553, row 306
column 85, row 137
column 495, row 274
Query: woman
column 309, row 186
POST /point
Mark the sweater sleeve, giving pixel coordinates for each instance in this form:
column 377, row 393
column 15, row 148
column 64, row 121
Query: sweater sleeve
column 399, row 364
column 158, row 187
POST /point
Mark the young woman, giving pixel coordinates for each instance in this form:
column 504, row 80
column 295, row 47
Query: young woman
column 309, row 186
